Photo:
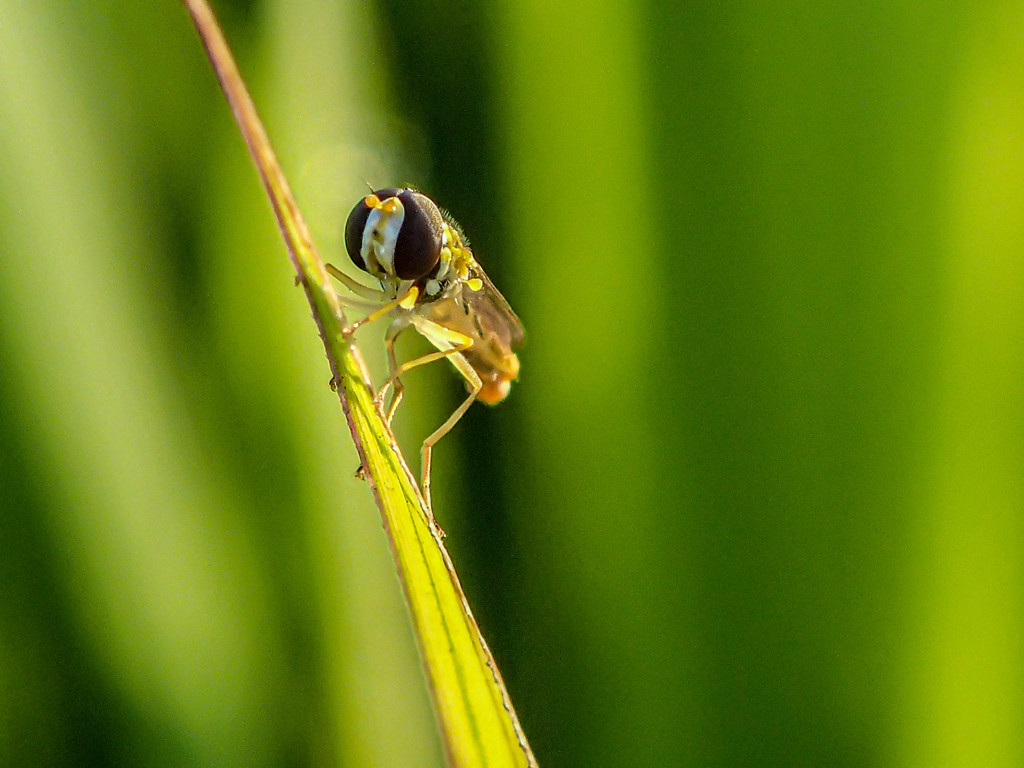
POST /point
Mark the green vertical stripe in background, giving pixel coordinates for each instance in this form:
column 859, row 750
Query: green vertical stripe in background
column 757, row 499
column 963, row 653
column 586, row 234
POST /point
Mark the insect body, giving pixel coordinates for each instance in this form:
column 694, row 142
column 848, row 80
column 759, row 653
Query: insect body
column 430, row 280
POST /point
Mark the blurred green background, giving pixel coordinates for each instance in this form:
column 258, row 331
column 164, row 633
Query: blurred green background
column 757, row 499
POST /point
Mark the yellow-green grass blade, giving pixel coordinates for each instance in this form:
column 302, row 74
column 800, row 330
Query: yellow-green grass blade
column 477, row 722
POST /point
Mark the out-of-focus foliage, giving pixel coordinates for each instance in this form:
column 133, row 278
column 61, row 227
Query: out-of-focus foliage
column 757, row 499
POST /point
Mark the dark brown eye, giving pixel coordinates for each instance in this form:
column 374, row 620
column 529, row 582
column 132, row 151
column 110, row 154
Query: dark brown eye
column 354, row 233
column 419, row 240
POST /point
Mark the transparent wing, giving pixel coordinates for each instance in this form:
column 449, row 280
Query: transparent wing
column 494, row 312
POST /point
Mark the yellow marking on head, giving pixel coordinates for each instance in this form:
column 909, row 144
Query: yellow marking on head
column 392, row 205
column 371, row 201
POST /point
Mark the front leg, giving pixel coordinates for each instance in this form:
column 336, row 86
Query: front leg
column 406, row 301
column 396, row 327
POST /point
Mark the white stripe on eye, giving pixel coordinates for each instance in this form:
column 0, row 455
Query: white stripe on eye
column 380, row 236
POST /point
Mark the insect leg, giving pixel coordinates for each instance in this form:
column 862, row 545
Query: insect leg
column 428, row 445
column 459, row 343
column 363, row 291
column 396, row 327
column 450, row 344
column 407, row 299
column 447, row 341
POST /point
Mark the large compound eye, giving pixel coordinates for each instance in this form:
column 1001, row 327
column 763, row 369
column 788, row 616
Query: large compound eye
column 354, row 228
column 418, row 247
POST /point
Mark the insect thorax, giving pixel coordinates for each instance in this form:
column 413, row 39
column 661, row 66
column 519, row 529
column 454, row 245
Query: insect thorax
column 453, row 267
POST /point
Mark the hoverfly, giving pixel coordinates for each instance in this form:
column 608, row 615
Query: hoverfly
column 430, row 280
